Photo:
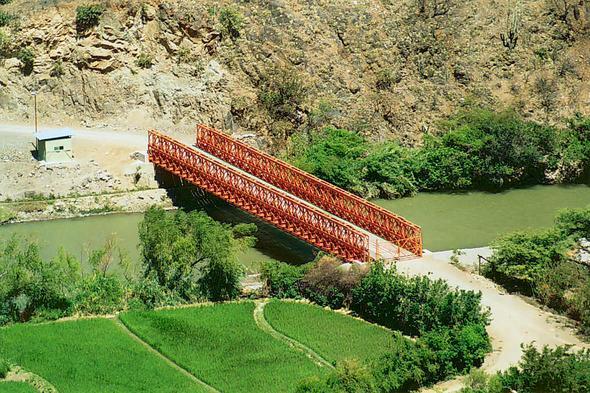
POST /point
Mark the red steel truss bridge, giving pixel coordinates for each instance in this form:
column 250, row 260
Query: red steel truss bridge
column 296, row 202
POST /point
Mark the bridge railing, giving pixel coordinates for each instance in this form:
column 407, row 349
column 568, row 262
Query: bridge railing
column 255, row 197
column 333, row 199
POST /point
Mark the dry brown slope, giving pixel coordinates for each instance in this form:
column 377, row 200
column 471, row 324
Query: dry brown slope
column 380, row 65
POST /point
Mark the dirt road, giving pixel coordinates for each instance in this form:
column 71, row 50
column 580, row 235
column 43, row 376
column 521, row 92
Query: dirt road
column 514, row 321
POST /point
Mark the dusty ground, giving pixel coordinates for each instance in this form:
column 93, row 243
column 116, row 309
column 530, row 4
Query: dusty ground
column 101, row 179
column 513, row 320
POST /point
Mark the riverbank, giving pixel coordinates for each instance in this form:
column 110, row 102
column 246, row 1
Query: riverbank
column 44, row 209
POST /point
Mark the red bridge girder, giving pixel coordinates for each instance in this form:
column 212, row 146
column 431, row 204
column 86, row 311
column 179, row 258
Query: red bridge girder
column 337, row 201
column 257, row 198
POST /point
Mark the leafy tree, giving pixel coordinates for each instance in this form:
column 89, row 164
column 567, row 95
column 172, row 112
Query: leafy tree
column 29, row 285
column 190, row 253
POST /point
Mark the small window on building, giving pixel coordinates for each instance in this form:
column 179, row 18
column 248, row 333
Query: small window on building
column 56, row 148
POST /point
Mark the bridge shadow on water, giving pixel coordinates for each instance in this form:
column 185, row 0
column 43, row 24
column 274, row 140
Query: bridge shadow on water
column 272, row 242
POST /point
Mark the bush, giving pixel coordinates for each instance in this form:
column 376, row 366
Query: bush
column 414, row 305
column 5, row 44
column 27, row 58
column 57, row 70
column 550, row 371
column 434, row 357
column 5, row 18
column 281, row 280
column 145, row 60
column 328, row 284
column 4, row 368
column 147, row 294
column 282, row 92
column 541, row 264
column 520, row 259
column 100, row 294
column 29, row 285
column 349, row 377
column 88, row 16
column 231, row 22
column 3, row 2
column 191, row 255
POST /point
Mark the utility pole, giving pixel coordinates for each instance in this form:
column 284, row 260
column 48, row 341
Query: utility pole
column 34, row 94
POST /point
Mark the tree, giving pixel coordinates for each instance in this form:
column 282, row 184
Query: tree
column 29, row 285
column 191, row 254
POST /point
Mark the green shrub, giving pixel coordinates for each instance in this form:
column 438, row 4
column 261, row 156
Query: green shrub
column 438, row 355
column 349, row 376
column 540, row 264
column 3, row 2
column 281, row 279
column 4, row 368
column 5, row 18
column 550, row 371
column 414, row 305
column 57, row 69
column 147, row 294
column 30, row 286
column 27, row 58
column 88, row 16
column 282, row 92
column 5, row 44
column 145, row 60
column 231, row 21
column 519, row 259
column 100, row 294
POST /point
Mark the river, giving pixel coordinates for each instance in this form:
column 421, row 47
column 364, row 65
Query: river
column 449, row 221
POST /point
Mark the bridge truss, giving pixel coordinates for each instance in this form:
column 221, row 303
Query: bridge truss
column 257, row 198
column 366, row 215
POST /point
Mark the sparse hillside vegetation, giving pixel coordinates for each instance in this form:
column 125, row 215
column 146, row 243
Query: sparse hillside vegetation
column 389, row 70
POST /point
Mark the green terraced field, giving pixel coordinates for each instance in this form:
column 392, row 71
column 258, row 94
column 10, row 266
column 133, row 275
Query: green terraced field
column 219, row 344
column 92, row 355
column 332, row 335
column 16, row 387
column 223, row 346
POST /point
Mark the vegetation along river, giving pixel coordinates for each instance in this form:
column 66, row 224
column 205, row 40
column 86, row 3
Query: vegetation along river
column 457, row 220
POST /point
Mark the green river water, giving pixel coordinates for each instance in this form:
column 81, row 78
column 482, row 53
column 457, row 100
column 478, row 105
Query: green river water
column 449, row 221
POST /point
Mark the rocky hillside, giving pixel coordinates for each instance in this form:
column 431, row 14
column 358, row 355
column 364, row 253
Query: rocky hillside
column 386, row 68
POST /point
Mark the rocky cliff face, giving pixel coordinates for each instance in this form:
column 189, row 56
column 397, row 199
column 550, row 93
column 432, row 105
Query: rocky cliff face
column 389, row 69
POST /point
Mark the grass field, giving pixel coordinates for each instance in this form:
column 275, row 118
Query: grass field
column 90, row 356
column 223, row 346
column 16, row 387
column 334, row 336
